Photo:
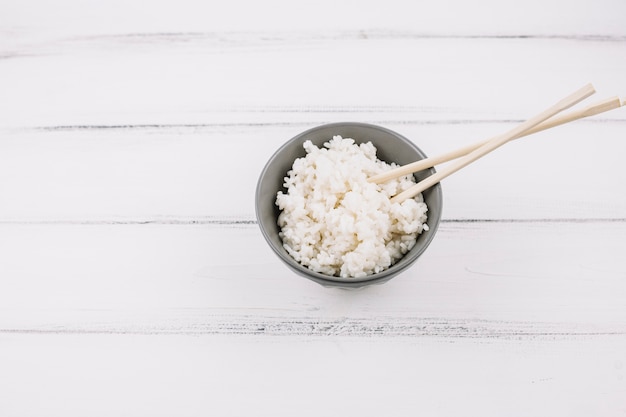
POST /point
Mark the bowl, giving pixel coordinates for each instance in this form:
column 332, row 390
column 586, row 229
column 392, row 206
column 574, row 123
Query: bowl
column 391, row 147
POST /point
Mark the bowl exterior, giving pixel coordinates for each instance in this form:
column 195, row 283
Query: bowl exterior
column 391, row 147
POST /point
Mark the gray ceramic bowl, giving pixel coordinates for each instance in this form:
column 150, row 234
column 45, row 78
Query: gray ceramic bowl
column 391, row 147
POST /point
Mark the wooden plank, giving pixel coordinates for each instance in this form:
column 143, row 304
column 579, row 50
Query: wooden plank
column 484, row 280
column 155, row 173
column 162, row 375
column 533, row 17
column 116, row 81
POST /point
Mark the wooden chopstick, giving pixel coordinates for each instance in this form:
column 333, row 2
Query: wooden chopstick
column 591, row 110
column 496, row 142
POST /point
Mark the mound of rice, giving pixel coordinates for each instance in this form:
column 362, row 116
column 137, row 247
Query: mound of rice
column 335, row 222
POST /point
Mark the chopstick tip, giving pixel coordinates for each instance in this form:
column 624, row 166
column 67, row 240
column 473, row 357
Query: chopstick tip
column 589, row 88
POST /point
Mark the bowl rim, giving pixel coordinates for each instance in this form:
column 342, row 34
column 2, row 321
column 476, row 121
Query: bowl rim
column 324, row 279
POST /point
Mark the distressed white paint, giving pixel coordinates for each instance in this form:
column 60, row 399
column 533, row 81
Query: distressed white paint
column 129, row 286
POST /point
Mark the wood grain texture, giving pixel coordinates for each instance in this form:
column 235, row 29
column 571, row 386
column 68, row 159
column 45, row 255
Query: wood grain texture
column 148, row 173
column 164, row 375
column 129, row 286
column 114, row 81
column 163, row 278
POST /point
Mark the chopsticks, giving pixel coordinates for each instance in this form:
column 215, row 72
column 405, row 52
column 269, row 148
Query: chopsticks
column 591, row 110
column 468, row 154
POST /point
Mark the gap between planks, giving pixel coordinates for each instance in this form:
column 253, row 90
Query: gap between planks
column 174, row 126
column 217, row 221
column 408, row 327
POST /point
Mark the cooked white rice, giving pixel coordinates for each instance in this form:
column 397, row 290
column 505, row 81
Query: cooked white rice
column 335, row 222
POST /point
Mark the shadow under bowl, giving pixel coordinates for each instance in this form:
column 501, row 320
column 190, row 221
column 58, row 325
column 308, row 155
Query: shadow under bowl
column 391, row 147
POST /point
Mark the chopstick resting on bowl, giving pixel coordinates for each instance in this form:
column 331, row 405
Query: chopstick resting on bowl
column 495, row 142
column 591, row 110
column 471, row 153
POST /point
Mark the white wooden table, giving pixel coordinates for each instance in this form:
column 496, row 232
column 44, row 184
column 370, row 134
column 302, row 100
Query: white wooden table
column 134, row 280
